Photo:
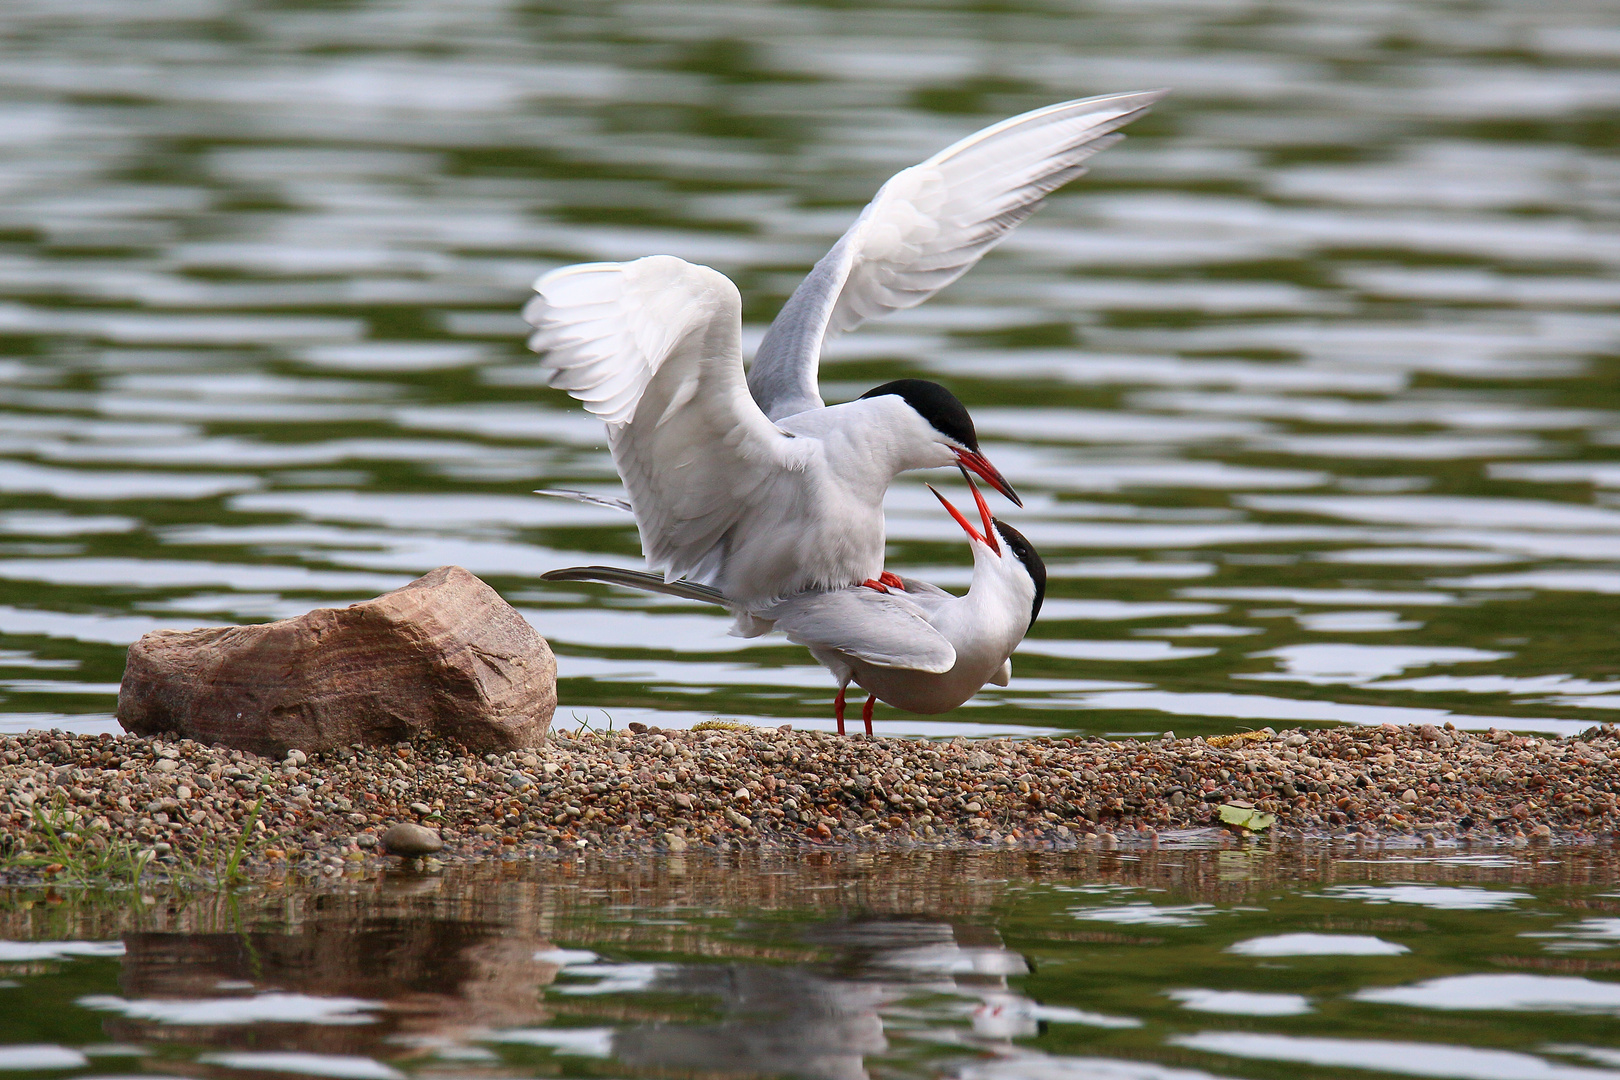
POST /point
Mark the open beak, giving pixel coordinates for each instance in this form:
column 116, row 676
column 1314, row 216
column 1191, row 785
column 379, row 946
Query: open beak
column 984, row 515
column 988, row 537
column 978, row 463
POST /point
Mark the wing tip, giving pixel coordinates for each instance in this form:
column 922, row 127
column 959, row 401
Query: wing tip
column 1150, row 95
column 1112, row 111
column 573, row 270
column 1134, row 100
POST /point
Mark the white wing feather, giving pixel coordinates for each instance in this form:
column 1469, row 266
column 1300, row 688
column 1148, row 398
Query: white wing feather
column 925, row 228
column 604, row 328
column 879, row 628
column 652, row 347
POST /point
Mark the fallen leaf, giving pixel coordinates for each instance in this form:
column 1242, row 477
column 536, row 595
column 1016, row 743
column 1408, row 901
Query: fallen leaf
column 1247, row 817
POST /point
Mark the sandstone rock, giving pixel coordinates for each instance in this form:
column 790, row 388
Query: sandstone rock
column 411, row 840
column 442, row 656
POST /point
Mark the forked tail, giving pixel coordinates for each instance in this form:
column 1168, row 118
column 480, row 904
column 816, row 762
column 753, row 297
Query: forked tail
column 638, row 579
column 608, row 501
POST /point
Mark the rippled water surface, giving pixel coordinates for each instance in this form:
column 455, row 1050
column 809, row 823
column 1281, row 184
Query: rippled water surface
column 1170, row 965
column 1309, row 386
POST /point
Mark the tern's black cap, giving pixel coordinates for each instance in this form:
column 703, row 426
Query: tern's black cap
column 1026, row 554
column 936, row 405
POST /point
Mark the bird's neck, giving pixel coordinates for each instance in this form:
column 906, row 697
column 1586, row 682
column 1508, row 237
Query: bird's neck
column 991, row 619
column 872, row 440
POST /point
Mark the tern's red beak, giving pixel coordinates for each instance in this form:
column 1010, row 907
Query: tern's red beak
column 988, row 537
column 984, row 515
column 978, row 463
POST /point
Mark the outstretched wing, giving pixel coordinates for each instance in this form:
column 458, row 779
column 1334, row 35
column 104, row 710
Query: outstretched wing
column 651, row 347
column 925, row 228
column 879, row 628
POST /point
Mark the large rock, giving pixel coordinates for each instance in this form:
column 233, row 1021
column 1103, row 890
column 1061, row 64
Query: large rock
column 444, row 656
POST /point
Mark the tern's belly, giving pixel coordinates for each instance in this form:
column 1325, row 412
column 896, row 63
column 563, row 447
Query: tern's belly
column 787, row 554
column 920, row 691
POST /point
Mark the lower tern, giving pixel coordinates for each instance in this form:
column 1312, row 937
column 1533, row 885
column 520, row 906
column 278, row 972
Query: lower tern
column 751, row 485
column 915, row 646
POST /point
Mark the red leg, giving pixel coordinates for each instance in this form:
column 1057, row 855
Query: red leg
column 878, row 585
column 866, row 711
column 838, row 710
column 892, row 581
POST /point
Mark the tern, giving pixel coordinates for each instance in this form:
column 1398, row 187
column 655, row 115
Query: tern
column 918, row 648
column 752, row 485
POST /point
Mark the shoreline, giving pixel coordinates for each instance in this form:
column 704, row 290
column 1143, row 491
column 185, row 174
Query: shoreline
column 672, row 791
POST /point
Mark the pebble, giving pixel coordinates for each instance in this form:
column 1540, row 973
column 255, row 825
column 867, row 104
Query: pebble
column 410, row 841
column 715, row 790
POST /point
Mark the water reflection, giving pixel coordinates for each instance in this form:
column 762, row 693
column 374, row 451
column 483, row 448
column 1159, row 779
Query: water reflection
column 780, row 1023
column 842, row 966
column 339, row 985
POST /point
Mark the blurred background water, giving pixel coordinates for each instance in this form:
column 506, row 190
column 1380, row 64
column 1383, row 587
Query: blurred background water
column 1309, row 386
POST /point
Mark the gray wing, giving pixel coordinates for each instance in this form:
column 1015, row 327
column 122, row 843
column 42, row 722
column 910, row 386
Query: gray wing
column 926, row 595
column 925, row 228
column 879, row 628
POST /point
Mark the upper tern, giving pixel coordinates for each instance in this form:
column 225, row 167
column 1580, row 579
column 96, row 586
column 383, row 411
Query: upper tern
column 921, row 649
column 753, row 486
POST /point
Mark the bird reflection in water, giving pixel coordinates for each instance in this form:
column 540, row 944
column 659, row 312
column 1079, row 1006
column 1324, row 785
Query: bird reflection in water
column 821, row 1024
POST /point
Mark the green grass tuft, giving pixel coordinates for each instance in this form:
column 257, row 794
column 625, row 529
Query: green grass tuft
column 62, row 851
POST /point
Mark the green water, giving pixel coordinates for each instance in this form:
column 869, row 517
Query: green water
column 1167, row 965
column 1309, row 386
column 1309, row 389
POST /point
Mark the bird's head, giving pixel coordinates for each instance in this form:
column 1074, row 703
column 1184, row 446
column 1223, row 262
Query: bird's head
column 1002, row 551
column 943, row 424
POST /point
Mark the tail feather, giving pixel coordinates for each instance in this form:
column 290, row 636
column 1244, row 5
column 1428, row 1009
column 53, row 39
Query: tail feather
column 586, row 497
column 638, row 579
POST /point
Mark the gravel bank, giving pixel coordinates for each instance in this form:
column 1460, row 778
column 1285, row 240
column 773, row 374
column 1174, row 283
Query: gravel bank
column 676, row 790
